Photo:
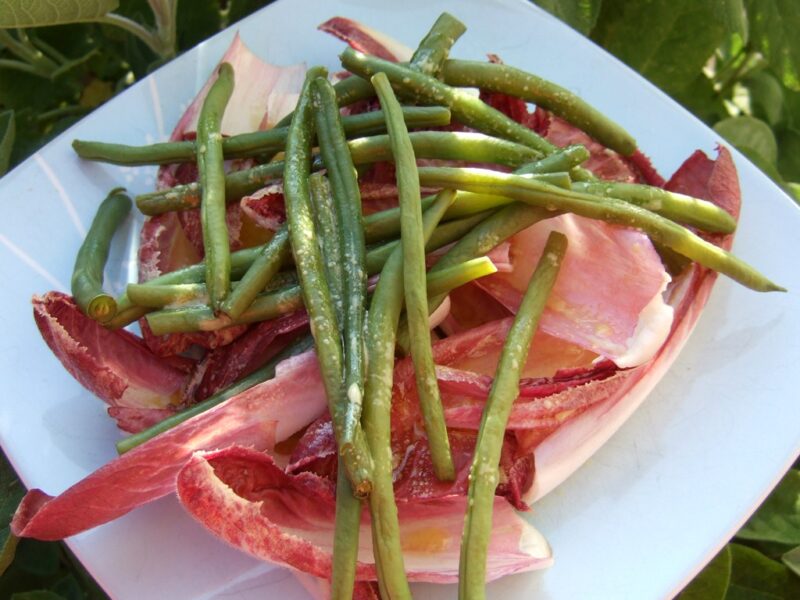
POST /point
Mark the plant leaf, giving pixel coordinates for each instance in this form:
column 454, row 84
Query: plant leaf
column 37, row 557
column 792, row 560
column 773, row 32
column 578, row 14
column 751, row 133
column 778, row 519
column 755, row 576
column 667, row 42
column 713, row 581
column 766, row 96
column 789, row 154
column 38, row 13
column 7, row 130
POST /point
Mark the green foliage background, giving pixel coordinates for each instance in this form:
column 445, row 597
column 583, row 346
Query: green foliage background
column 733, row 63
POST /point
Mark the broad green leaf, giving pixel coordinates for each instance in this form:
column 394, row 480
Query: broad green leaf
column 766, row 96
column 792, row 560
column 793, row 189
column 778, row 519
column 713, row 581
column 578, row 14
column 69, row 588
column 38, row 13
column 751, row 133
column 774, row 26
column 667, row 42
column 753, row 575
column 7, row 130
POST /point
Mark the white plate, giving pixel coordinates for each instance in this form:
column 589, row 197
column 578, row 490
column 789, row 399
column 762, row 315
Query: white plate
column 637, row 521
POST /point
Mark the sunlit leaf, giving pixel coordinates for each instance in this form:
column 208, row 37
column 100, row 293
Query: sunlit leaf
column 778, row 519
column 751, row 133
column 773, row 31
column 578, row 14
column 37, row 13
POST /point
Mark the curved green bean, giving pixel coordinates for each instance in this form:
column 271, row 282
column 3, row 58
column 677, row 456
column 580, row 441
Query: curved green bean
column 677, row 207
column 210, row 164
column 322, row 202
column 87, row 274
column 612, row 210
column 494, row 77
column 466, row 108
column 416, row 297
column 484, row 472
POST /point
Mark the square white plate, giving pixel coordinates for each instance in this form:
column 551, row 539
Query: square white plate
column 637, row 521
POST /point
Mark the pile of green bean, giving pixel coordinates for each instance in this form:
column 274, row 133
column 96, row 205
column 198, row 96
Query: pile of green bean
column 320, row 259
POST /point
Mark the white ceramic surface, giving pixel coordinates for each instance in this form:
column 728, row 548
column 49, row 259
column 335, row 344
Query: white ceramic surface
column 637, row 521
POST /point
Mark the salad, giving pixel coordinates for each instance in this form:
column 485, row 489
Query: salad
column 594, row 351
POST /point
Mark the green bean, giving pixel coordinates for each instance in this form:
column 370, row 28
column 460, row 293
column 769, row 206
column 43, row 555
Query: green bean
column 566, row 159
column 159, row 296
column 315, row 292
column 212, row 179
column 87, row 275
column 322, row 202
column 416, row 297
column 466, row 109
column 677, row 207
column 352, row 250
column 263, row 269
column 450, row 278
column 484, row 472
column 249, row 144
column 612, row 210
column 384, row 313
column 445, row 145
column 348, row 507
column 434, row 48
column 259, row 376
column 501, row 78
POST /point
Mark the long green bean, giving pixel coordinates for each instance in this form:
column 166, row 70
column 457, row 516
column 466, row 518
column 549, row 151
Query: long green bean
column 384, row 314
column 416, row 298
column 612, row 210
column 249, row 144
column 263, row 269
column 565, row 159
column 501, row 78
column 484, row 472
column 212, row 178
column 677, row 207
column 466, row 109
column 315, row 292
column 347, row 203
column 444, row 145
column 259, row 376
column 322, row 202
column 87, row 275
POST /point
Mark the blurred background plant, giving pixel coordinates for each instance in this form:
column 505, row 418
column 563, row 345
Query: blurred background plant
column 734, row 63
